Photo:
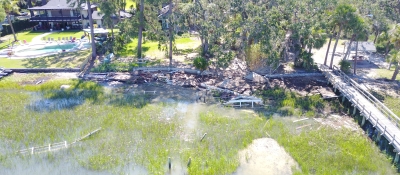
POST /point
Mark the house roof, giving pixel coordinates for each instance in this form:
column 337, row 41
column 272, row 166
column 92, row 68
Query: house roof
column 61, row 5
column 57, row 5
column 84, row 6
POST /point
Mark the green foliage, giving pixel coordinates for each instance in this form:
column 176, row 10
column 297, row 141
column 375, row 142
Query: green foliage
column 289, row 103
column 255, row 57
column 200, row 63
column 305, row 61
column 345, row 66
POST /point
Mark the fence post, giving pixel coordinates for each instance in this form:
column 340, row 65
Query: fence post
column 355, row 109
column 363, row 121
column 66, row 145
column 392, row 139
column 384, row 130
column 32, row 150
column 49, row 147
column 376, row 124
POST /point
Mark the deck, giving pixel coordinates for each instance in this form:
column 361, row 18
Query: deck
column 382, row 118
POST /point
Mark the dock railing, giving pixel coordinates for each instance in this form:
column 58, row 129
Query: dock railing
column 378, row 104
column 363, row 110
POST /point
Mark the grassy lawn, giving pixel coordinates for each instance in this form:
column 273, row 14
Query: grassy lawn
column 26, row 35
column 150, row 48
column 384, row 73
column 11, row 63
column 136, row 133
column 75, row 33
column 393, row 104
column 130, row 3
column 63, row 60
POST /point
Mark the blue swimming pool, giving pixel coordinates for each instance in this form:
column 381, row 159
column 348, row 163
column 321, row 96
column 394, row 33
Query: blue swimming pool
column 45, row 50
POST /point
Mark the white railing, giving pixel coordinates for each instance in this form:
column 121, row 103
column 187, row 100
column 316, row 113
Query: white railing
column 363, row 110
column 54, row 146
column 379, row 105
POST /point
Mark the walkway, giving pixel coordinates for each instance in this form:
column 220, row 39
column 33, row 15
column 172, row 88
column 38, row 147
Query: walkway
column 38, row 39
column 382, row 118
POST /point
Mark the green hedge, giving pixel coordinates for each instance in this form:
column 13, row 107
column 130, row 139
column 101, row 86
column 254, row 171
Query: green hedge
column 18, row 25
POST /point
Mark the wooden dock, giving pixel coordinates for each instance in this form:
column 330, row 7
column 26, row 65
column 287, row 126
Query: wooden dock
column 383, row 119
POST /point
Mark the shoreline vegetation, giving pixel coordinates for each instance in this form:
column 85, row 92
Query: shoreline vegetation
column 138, row 135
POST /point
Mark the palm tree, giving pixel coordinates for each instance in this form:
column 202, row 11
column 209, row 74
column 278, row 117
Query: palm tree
column 343, row 14
column 360, row 31
column 10, row 6
column 395, row 58
column 329, row 45
column 316, row 39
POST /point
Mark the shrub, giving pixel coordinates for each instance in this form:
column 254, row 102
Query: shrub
column 345, row 66
column 200, row 63
column 18, row 25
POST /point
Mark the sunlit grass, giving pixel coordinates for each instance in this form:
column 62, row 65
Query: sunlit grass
column 24, row 35
column 384, row 73
column 151, row 48
column 61, row 60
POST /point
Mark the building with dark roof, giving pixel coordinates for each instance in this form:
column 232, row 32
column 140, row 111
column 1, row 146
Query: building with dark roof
column 59, row 14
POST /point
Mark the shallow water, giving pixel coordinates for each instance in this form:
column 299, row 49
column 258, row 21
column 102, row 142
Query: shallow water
column 67, row 161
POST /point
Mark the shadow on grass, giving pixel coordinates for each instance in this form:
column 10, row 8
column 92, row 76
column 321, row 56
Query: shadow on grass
column 126, row 51
column 185, row 51
column 62, row 60
column 53, row 97
column 136, row 101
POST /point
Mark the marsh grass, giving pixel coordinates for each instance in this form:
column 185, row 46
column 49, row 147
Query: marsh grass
column 330, row 151
column 137, row 133
column 289, row 103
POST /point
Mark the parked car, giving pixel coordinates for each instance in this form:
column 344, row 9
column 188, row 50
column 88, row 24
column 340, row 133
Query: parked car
column 23, row 13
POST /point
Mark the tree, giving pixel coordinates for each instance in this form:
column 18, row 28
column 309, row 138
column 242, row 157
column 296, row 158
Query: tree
column 10, row 6
column 91, row 30
column 2, row 12
column 342, row 15
column 140, row 29
column 360, row 32
column 170, row 32
column 108, row 10
column 78, row 3
column 395, row 58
